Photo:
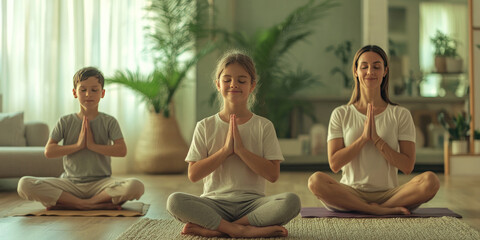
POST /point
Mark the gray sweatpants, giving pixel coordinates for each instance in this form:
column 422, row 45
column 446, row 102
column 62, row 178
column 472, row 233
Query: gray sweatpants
column 261, row 211
column 47, row 190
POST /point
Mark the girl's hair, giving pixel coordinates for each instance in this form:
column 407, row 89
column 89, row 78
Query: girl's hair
column 86, row 72
column 236, row 56
column 383, row 87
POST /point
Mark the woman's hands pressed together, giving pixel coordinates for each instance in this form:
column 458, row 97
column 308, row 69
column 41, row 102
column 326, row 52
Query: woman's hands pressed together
column 369, row 130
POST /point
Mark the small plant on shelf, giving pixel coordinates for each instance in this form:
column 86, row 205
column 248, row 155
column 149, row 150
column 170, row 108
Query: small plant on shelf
column 444, row 45
column 458, row 127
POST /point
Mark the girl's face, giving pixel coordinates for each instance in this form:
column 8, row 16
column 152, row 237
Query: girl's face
column 235, row 84
column 370, row 70
column 89, row 92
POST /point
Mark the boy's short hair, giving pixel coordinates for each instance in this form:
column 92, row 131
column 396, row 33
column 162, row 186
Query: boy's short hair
column 86, row 72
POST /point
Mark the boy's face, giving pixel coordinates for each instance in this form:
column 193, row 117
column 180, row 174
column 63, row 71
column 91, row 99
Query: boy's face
column 89, row 92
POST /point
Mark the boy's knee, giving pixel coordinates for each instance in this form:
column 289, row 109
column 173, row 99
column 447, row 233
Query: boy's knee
column 135, row 187
column 25, row 187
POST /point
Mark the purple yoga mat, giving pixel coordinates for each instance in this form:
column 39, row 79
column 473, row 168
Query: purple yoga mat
column 320, row 212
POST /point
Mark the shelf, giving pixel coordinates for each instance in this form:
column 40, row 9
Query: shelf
column 425, row 156
column 397, row 99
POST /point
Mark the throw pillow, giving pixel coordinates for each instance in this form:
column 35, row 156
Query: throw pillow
column 12, row 129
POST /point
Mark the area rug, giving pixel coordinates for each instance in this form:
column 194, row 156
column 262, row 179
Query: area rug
column 129, row 209
column 327, row 228
column 320, row 212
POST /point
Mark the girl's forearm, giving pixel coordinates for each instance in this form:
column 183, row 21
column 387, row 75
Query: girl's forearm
column 268, row 169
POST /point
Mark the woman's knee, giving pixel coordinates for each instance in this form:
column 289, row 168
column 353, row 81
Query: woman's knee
column 317, row 181
column 431, row 182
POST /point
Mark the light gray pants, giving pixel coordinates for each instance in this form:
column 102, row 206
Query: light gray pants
column 261, row 211
column 47, row 190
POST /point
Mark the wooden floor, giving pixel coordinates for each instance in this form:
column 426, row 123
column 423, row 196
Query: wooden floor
column 460, row 194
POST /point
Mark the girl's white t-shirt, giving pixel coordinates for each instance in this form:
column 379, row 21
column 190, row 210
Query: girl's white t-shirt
column 233, row 180
column 370, row 171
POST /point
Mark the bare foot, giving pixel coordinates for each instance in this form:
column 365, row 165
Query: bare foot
column 269, row 231
column 194, row 229
column 379, row 210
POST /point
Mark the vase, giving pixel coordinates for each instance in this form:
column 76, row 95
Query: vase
column 459, row 147
column 440, row 64
column 161, row 147
column 476, row 146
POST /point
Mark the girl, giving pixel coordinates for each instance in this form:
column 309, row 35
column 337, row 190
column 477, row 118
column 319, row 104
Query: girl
column 234, row 151
column 369, row 139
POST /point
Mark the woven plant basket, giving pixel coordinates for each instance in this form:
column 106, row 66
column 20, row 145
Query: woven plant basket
column 161, row 147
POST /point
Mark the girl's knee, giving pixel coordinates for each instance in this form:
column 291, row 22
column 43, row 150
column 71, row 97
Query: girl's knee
column 174, row 201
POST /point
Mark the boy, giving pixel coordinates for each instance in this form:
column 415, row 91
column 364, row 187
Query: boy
column 86, row 150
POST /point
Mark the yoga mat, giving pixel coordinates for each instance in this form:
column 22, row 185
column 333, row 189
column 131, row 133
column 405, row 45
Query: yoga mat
column 129, row 209
column 326, row 228
column 320, row 212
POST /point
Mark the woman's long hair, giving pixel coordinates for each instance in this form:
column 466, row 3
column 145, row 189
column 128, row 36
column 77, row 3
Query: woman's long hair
column 384, row 86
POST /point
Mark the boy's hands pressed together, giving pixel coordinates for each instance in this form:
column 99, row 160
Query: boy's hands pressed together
column 82, row 143
column 90, row 142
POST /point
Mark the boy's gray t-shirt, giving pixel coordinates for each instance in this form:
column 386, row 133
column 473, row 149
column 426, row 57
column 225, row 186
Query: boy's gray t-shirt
column 86, row 165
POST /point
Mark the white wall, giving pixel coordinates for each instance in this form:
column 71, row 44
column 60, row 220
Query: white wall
column 341, row 23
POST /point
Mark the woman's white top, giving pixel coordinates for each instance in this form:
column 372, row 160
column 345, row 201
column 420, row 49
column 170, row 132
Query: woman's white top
column 233, row 180
column 370, row 171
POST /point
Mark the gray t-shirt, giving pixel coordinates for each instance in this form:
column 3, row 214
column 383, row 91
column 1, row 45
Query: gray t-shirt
column 86, row 165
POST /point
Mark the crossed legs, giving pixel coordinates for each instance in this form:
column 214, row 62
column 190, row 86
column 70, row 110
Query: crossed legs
column 419, row 190
column 205, row 217
column 58, row 193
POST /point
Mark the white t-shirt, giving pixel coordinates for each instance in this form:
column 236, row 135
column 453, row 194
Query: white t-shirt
column 370, row 171
column 233, row 180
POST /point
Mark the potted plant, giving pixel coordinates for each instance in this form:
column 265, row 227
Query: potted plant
column 343, row 52
column 458, row 128
column 476, row 142
column 446, row 57
column 278, row 81
column 174, row 27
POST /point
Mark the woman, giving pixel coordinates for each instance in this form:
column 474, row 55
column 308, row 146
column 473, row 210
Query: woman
column 370, row 139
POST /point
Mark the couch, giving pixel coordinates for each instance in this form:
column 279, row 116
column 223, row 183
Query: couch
column 22, row 146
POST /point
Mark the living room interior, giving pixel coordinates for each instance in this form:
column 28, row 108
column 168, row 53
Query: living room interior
column 45, row 42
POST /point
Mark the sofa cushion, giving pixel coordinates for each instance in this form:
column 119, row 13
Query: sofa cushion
column 36, row 133
column 12, row 129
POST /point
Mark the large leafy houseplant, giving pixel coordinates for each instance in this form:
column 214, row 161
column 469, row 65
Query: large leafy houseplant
column 343, row 52
column 175, row 25
column 278, row 83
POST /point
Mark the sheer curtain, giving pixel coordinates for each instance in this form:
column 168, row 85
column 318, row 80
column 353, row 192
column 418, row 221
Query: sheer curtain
column 449, row 18
column 45, row 42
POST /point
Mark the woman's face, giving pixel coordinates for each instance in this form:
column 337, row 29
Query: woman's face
column 370, row 70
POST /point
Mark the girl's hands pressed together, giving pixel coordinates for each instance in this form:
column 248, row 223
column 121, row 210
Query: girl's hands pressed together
column 229, row 141
column 237, row 139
